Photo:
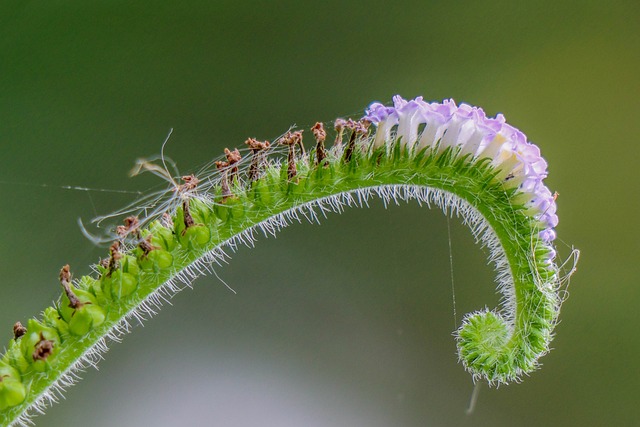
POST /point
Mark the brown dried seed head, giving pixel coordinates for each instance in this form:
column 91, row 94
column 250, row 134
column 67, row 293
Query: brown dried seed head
column 257, row 157
column 297, row 135
column 146, row 246
column 18, row 330
column 362, row 126
column 318, row 132
column 43, row 349
column 255, row 145
column 339, row 126
column 287, row 139
column 221, row 165
column 131, row 222
column 131, row 226
column 232, row 156
column 224, row 180
column 65, row 281
column 114, row 250
column 188, row 219
column 357, row 129
column 291, row 139
column 122, row 231
column 190, row 183
column 65, row 274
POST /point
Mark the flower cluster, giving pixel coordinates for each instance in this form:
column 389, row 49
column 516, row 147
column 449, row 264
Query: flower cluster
column 438, row 126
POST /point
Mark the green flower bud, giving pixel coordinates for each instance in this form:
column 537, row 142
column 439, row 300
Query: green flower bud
column 12, row 391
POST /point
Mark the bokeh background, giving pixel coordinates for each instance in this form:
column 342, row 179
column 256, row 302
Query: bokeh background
column 88, row 87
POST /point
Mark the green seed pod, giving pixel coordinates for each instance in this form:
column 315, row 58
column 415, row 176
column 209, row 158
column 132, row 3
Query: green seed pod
column 93, row 286
column 178, row 222
column 230, row 209
column 200, row 211
column 119, row 284
column 123, row 281
column 195, row 237
column 86, row 315
column 129, row 264
column 261, row 192
column 53, row 319
column 162, row 237
column 156, row 261
column 39, row 345
column 12, row 391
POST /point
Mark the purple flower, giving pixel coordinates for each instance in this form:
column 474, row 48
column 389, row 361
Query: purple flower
column 377, row 112
column 548, row 235
column 384, row 118
column 436, row 117
column 468, row 129
column 411, row 114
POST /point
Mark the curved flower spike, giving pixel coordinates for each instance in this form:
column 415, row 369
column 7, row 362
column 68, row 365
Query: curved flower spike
column 454, row 157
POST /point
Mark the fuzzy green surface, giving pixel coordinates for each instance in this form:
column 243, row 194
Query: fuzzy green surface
column 489, row 346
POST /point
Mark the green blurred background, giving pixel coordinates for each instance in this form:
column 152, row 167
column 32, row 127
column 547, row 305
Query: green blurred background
column 88, row 87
